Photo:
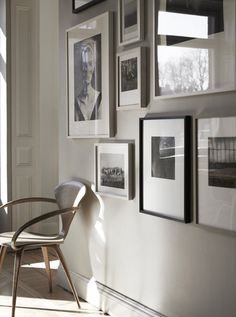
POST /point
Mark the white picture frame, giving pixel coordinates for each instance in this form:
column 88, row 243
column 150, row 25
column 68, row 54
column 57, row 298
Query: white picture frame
column 216, row 172
column 113, row 169
column 130, row 21
column 90, row 92
column 194, row 48
column 131, row 84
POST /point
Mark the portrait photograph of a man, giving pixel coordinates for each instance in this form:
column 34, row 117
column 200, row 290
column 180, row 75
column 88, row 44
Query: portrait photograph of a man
column 87, row 79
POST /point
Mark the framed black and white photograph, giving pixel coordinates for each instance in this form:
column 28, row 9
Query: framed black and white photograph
column 165, row 167
column 130, row 21
column 113, row 174
column 80, row 5
column 194, row 47
column 89, row 67
column 131, row 84
column 216, row 160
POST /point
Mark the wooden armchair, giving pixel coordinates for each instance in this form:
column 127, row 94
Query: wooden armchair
column 68, row 196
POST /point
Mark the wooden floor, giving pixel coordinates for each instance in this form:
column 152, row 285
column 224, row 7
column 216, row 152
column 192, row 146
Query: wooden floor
column 33, row 297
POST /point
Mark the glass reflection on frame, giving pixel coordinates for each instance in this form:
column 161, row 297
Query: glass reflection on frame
column 194, row 47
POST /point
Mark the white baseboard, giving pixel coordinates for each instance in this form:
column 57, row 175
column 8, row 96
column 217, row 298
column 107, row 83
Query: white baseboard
column 104, row 298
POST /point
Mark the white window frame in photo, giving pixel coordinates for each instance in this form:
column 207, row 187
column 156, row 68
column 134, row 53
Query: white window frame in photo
column 204, row 43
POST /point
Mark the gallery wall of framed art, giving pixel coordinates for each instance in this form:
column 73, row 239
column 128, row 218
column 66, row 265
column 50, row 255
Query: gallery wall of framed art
column 160, row 240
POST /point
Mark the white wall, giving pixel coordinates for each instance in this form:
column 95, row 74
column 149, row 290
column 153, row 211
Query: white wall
column 176, row 269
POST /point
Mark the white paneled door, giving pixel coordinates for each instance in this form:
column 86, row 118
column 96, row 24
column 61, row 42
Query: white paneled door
column 29, row 108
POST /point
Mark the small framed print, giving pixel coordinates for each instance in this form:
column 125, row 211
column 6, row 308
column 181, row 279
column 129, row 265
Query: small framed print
column 80, row 5
column 130, row 21
column 194, row 47
column 113, row 169
column 89, row 84
column 131, row 87
column 216, row 166
column 165, row 167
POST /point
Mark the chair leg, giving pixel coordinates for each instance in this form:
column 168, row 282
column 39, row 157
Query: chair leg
column 47, row 264
column 2, row 255
column 63, row 262
column 17, row 263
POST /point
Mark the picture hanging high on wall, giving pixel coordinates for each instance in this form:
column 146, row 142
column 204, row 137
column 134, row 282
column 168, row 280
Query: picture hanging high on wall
column 194, row 47
column 80, row 5
column 165, row 167
column 216, row 160
column 89, row 71
column 113, row 169
column 130, row 21
column 131, row 84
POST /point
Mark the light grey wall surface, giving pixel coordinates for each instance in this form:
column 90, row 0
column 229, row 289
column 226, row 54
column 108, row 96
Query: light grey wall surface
column 176, row 269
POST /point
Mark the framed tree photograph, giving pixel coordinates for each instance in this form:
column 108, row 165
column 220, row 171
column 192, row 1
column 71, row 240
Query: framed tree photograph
column 131, row 84
column 113, row 170
column 194, row 47
column 165, row 167
column 89, row 82
column 216, row 172
column 130, row 21
column 80, row 5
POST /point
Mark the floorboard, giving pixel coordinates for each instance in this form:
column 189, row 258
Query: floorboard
column 33, row 296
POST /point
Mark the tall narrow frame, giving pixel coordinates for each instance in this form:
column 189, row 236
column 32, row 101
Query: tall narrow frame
column 129, row 33
column 165, row 167
column 89, row 78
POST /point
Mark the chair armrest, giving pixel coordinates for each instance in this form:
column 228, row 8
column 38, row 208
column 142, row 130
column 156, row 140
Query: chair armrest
column 28, row 200
column 39, row 219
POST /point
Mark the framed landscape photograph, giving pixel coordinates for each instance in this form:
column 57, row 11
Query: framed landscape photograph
column 130, row 21
column 131, row 84
column 165, row 167
column 113, row 171
column 89, row 82
column 80, row 5
column 194, row 47
column 216, row 161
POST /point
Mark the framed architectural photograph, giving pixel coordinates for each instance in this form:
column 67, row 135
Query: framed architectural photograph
column 194, row 47
column 131, row 84
column 165, row 167
column 80, row 5
column 113, row 170
column 130, row 21
column 90, row 78
column 216, row 162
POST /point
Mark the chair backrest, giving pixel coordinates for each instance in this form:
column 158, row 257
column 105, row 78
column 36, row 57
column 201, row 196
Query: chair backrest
column 68, row 194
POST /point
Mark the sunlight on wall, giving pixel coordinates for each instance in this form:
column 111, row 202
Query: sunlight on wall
column 93, row 295
column 3, row 119
column 3, row 46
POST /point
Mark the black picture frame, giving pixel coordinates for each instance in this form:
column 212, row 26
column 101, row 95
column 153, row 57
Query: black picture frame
column 156, row 186
column 85, row 6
